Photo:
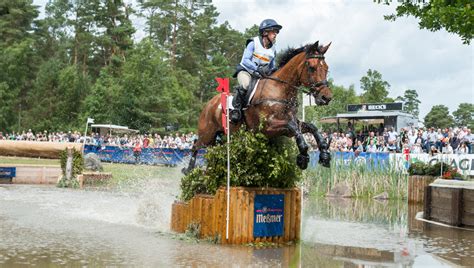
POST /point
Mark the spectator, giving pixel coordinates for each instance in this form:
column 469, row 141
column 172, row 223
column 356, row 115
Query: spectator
column 146, row 141
column 439, row 140
column 463, row 148
column 137, row 151
column 447, row 148
column 392, row 146
column 412, row 136
column 385, row 135
column 371, row 148
column 431, row 139
column 360, row 146
column 417, row 147
column 370, row 138
column 392, row 136
column 382, row 148
column 348, row 142
column 469, row 140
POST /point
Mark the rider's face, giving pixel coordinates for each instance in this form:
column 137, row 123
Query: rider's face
column 272, row 35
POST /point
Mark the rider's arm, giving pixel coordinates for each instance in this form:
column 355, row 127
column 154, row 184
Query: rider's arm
column 272, row 65
column 246, row 61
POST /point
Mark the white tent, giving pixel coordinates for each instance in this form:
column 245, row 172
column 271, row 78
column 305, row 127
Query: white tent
column 104, row 129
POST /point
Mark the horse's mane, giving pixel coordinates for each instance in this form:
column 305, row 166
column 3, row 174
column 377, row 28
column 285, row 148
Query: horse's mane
column 288, row 54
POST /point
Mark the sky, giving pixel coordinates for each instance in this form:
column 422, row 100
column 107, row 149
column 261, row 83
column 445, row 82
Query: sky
column 435, row 64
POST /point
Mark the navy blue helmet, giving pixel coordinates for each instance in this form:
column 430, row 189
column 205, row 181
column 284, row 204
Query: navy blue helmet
column 268, row 25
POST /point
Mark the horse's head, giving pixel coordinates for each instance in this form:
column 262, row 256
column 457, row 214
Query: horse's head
column 315, row 76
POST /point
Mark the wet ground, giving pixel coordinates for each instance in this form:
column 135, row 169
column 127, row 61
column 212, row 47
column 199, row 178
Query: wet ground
column 49, row 226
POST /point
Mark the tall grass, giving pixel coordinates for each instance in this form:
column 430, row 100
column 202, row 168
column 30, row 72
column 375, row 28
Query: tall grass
column 392, row 212
column 364, row 180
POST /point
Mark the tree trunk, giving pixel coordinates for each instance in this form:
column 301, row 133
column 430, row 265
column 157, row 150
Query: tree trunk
column 175, row 26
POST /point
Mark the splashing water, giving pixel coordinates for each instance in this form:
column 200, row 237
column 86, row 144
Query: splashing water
column 128, row 225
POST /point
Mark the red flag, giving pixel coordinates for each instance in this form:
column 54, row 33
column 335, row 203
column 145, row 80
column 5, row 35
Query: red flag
column 223, row 87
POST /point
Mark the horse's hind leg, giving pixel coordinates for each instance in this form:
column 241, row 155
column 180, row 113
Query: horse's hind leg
column 324, row 155
column 303, row 158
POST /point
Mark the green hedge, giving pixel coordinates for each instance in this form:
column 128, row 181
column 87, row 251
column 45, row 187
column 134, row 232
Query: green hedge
column 423, row 169
column 256, row 161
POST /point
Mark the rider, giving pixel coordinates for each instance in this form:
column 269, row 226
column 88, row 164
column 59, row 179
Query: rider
column 258, row 60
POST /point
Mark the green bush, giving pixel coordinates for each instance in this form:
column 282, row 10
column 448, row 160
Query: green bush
column 418, row 168
column 434, row 170
column 256, row 161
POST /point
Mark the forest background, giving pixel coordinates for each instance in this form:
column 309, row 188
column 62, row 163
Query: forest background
column 80, row 60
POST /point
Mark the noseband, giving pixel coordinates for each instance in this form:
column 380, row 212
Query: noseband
column 311, row 84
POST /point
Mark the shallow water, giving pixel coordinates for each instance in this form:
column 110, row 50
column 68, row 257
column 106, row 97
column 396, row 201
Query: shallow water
column 48, row 226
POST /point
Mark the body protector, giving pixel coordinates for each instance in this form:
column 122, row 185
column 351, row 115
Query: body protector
column 261, row 56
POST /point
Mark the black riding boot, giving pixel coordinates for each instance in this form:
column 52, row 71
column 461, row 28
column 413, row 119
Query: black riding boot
column 238, row 103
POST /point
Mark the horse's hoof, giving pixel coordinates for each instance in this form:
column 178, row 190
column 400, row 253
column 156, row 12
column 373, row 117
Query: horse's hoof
column 302, row 161
column 325, row 159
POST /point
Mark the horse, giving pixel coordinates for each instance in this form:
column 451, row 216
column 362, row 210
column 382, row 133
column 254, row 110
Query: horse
column 275, row 102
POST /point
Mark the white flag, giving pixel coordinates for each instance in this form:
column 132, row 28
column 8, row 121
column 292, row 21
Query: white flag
column 90, row 120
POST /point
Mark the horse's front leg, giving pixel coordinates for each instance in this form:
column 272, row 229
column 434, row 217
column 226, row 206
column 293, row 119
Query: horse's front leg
column 303, row 158
column 323, row 145
column 192, row 161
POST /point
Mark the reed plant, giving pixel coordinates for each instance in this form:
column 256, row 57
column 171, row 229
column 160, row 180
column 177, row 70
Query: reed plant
column 392, row 212
column 364, row 179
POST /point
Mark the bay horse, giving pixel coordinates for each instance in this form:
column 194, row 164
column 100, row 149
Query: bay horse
column 275, row 101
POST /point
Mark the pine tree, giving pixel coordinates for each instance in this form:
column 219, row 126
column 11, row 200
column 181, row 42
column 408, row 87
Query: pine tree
column 410, row 102
column 17, row 59
column 374, row 87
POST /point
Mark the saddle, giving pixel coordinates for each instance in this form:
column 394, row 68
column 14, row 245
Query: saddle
column 248, row 97
column 251, row 91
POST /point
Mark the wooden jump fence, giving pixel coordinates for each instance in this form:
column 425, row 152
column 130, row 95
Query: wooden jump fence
column 210, row 213
column 416, row 188
column 450, row 205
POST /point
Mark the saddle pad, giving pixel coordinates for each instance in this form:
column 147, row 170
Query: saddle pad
column 231, row 98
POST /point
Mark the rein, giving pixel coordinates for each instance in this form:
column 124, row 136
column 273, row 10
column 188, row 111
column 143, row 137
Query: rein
column 311, row 83
column 287, row 83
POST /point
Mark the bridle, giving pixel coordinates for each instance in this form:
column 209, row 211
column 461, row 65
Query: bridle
column 310, row 87
column 313, row 84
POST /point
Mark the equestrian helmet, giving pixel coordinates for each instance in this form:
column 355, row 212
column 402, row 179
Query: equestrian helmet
column 268, row 25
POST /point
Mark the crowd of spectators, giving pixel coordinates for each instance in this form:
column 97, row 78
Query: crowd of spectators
column 409, row 140
column 174, row 141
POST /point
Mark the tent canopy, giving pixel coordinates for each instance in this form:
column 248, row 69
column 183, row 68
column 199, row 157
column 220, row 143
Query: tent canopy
column 105, row 128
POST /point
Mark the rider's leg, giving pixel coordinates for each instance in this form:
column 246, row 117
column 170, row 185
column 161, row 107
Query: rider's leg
column 243, row 78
